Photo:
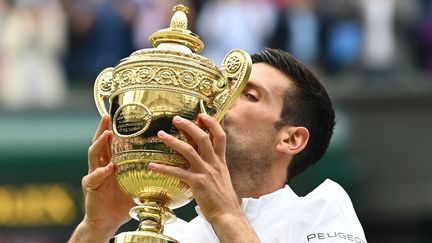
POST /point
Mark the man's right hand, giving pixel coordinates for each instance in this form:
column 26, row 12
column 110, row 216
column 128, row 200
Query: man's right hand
column 106, row 206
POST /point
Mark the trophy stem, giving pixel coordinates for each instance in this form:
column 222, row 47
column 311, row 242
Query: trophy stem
column 152, row 216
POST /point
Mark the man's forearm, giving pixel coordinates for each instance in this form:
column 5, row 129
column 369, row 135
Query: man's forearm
column 88, row 233
column 230, row 228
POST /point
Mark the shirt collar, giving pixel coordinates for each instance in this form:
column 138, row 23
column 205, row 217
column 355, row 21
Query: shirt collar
column 251, row 205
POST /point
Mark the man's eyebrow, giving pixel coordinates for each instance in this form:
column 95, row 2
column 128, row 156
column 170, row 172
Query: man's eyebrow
column 261, row 89
column 251, row 84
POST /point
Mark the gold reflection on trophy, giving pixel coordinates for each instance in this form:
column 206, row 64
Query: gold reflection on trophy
column 145, row 91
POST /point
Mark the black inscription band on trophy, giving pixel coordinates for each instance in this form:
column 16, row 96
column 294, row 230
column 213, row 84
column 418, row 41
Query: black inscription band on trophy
column 334, row 235
column 131, row 120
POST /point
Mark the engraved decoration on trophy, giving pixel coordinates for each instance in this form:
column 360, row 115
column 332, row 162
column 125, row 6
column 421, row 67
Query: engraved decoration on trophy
column 145, row 91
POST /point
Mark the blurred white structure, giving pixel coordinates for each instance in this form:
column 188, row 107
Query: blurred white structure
column 380, row 39
column 224, row 25
column 32, row 40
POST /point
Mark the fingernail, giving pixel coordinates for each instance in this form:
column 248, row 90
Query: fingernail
column 152, row 166
column 110, row 167
column 178, row 118
column 162, row 134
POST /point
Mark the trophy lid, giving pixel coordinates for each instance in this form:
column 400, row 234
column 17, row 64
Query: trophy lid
column 178, row 32
column 173, row 65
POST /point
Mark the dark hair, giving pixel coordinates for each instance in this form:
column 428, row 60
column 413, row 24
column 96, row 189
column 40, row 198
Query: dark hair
column 308, row 105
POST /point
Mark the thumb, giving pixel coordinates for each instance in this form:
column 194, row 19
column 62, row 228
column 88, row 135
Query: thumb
column 96, row 178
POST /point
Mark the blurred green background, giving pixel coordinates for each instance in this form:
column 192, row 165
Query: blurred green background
column 374, row 57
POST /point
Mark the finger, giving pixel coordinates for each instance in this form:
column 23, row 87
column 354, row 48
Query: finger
column 105, row 156
column 173, row 171
column 95, row 179
column 188, row 139
column 182, row 147
column 200, row 122
column 109, row 147
column 103, row 125
column 217, row 134
column 96, row 150
column 199, row 136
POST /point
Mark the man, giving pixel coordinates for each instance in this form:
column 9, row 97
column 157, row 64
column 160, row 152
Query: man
column 280, row 125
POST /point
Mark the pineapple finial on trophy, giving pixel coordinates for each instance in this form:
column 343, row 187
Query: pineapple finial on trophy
column 177, row 35
column 179, row 19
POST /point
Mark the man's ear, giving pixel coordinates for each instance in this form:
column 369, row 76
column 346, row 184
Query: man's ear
column 292, row 140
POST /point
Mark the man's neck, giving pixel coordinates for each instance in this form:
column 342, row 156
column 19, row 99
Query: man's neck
column 247, row 186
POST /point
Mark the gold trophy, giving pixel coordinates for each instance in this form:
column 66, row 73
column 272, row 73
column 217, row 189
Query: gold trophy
column 145, row 91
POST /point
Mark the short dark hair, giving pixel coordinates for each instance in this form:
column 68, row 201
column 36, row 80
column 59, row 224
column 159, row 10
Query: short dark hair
column 308, row 105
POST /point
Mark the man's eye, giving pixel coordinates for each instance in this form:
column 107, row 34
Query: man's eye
column 250, row 97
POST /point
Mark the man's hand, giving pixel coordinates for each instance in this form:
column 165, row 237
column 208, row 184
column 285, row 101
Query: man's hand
column 208, row 177
column 106, row 206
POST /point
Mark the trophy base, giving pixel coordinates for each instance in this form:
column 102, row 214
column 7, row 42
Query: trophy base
column 143, row 237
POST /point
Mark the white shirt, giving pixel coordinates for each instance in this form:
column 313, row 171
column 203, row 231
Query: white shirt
column 325, row 215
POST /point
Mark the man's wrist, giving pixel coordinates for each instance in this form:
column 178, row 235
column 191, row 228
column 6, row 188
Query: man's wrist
column 89, row 231
column 234, row 228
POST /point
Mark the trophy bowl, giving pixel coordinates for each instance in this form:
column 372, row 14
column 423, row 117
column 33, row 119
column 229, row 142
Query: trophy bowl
column 144, row 92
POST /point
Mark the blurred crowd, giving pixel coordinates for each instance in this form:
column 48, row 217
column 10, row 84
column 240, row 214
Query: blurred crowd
column 48, row 47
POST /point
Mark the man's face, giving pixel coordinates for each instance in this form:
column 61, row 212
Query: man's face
column 249, row 124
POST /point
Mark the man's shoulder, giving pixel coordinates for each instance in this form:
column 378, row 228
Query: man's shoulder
column 329, row 197
column 328, row 186
column 328, row 213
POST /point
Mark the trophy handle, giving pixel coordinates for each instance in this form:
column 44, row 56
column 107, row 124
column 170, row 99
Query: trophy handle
column 236, row 68
column 203, row 107
column 103, row 88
